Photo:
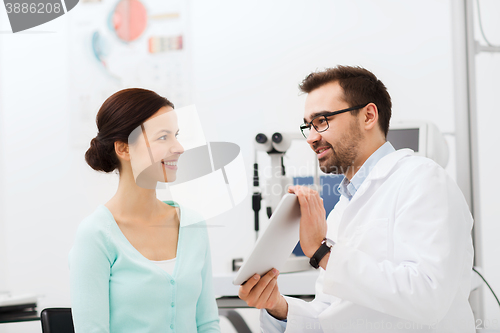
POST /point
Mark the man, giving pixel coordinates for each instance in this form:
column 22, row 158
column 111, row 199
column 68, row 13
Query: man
column 402, row 251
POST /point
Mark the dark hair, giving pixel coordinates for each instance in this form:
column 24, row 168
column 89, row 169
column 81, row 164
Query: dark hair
column 118, row 116
column 360, row 87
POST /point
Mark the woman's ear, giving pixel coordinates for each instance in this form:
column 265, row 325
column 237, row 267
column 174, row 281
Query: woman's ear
column 122, row 150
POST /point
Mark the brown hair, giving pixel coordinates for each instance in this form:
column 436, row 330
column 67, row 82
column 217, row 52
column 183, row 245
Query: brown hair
column 360, row 87
column 118, row 116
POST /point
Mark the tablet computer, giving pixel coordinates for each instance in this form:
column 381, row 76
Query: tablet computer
column 277, row 243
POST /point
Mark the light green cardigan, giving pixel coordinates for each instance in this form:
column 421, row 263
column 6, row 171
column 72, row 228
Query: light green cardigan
column 115, row 289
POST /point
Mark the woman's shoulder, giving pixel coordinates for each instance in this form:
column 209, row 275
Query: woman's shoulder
column 93, row 237
column 96, row 224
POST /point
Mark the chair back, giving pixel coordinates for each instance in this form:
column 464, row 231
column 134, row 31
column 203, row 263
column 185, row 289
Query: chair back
column 57, row 320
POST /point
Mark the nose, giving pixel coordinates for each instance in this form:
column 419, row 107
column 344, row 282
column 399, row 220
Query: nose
column 177, row 148
column 313, row 136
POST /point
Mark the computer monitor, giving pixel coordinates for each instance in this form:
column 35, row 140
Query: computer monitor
column 424, row 138
column 404, row 138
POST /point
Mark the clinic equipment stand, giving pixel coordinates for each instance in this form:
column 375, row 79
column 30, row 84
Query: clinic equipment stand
column 465, row 49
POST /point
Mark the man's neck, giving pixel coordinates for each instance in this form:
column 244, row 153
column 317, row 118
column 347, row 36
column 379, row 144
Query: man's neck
column 358, row 163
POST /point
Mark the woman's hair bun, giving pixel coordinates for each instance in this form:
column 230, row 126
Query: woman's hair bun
column 100, row 157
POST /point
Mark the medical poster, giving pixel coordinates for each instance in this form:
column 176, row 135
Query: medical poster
column 117, row 44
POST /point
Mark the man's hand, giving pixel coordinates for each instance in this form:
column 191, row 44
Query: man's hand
column 262, row 293
column 312, row 222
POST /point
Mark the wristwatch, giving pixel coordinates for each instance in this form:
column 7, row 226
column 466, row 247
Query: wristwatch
column 325, row 247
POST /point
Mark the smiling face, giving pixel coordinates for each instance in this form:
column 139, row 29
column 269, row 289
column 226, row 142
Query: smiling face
column 337, row 148
column 154, row 149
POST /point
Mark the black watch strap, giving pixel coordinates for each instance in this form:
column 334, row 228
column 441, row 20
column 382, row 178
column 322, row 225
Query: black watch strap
column 319, row 254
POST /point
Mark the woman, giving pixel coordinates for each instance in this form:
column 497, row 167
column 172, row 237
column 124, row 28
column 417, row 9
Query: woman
column 139, row 264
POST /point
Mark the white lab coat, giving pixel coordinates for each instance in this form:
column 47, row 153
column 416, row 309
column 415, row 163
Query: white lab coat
column 402, row 259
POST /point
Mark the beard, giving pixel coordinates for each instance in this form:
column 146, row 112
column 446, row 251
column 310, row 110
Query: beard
column 346, row 150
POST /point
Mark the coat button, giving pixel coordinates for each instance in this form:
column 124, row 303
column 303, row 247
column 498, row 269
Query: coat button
column 172, row 282
column 172, row 305
column 172, row 326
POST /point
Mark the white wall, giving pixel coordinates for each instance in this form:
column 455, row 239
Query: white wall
column 248, row 59
column 488, row 87
column 46, row 187
column 3, row 265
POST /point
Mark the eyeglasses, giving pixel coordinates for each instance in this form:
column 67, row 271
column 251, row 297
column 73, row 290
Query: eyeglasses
column 320, row 123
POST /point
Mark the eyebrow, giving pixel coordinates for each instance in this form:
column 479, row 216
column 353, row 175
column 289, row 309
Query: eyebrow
column 315, row 114
column 165, row 131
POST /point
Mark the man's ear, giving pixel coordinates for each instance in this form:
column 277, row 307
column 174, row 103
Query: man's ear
column 370, row 116
column 122, row 151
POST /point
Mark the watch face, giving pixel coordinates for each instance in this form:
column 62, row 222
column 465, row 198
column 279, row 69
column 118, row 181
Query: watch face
column 329, row 242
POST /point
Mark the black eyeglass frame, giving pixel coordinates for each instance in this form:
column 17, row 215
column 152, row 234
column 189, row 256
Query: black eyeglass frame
column 328, row 114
